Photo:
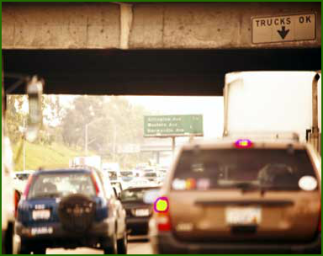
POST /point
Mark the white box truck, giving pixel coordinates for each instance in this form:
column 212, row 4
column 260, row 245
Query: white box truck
column 91, row 161
column 273, row 102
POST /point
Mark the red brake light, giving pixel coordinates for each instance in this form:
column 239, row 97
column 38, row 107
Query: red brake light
column 95, row 183
column 161, row 207
column 243, row 143
column 25, row 195
column 163, row 221
column 17, row 199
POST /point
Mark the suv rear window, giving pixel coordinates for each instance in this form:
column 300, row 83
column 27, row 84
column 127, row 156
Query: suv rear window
column 61, row 184
column 246, row 168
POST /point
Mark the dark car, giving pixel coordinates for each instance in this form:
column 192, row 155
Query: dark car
column 138, row 212
column 151, row 176
column 69, row 208
column 126, row 175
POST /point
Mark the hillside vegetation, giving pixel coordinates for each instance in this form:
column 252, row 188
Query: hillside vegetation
column 45, row 156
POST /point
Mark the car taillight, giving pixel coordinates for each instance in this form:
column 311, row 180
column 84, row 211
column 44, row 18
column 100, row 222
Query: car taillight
column 95, row 183
column 163, row 221
column 161, row 207
column 243, row 143
column 25, row 195
column 17, row 199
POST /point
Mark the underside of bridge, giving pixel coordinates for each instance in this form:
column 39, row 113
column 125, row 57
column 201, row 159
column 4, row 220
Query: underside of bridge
column 153, row 49
column 151, row 72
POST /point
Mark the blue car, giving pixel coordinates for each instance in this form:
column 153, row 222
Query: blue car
column 70, row 208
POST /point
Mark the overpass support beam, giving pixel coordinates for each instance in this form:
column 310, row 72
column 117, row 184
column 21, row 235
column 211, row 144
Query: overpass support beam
column 126, row 17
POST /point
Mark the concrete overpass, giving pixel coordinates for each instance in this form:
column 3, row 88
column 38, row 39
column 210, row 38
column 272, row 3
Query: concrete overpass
column 156, row 48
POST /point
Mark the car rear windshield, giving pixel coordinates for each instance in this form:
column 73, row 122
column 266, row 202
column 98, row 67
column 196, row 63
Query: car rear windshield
column 243, row 168
column 113, row 175
column 23, row 176
column 62, row 184
column 127, row 174
column 151, row 175
column 133, row 195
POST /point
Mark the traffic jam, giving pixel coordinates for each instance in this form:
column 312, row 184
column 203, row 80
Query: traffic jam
column 247, row 192
column 161, row 128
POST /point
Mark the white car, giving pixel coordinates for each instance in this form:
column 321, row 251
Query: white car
column 140, row 182
column 10, row 241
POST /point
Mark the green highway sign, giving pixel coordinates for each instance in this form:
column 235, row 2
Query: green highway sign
column 173, row 125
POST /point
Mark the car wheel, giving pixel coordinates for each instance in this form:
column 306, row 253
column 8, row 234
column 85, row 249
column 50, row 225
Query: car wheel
column 39, row 250
column 24, row 249
column 122, row 244
column 8, row 240
column 112, row 247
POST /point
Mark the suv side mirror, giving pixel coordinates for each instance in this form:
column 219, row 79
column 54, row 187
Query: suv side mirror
column 34, row 92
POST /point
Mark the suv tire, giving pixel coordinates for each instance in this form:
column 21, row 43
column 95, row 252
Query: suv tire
column 122, row 244
column 39, row 250
column 24, row 249
column 8, row 239
column 112, row 247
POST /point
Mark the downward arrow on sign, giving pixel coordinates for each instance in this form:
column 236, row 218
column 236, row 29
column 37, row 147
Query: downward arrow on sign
column 283, row 33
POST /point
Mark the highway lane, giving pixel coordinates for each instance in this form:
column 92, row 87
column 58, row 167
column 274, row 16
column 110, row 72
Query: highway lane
column 138, row 245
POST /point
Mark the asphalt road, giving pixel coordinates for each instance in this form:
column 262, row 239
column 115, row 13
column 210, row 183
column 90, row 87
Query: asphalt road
column 137, row 245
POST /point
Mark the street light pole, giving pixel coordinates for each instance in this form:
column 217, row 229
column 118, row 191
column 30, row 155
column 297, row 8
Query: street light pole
column 24, row 147
column 86, row 138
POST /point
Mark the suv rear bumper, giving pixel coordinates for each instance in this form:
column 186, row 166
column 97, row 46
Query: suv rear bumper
column 137, row 225
column 166, row 243
column 60, row 237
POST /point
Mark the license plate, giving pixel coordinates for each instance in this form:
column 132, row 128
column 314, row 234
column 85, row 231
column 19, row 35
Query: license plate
column 142, row 212
column 243, row 215
column 41, row 231
column 41, row 214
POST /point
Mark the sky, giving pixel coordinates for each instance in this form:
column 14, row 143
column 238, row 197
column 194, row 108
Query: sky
column 210, row 107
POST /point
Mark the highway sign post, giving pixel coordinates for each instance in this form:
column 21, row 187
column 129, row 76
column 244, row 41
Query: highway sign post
column 172, row 126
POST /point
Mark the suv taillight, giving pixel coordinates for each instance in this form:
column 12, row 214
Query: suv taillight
column 163, row 221
column 161, row 208
column 17, row 199
column 30, row 179
column 95, row 183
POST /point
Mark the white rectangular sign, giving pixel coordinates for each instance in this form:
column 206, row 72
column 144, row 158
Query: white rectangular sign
column 285, row 28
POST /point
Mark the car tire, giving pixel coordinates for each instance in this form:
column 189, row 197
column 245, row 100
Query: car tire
column 39, row 250
column 122, row 244
column 24, row 249
column 112, row 247
column 8, row 240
